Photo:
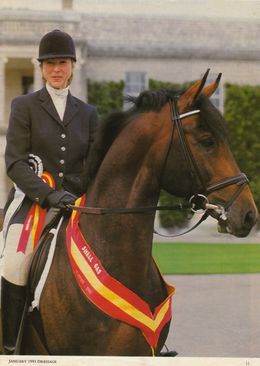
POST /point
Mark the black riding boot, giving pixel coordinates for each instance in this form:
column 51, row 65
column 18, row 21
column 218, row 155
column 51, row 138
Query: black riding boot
column 12, row 305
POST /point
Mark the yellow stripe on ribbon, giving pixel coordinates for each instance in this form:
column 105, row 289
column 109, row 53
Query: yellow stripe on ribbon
column 112, row 297
column 35, row 225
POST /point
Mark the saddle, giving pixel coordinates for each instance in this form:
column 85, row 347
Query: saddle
column 40, row 255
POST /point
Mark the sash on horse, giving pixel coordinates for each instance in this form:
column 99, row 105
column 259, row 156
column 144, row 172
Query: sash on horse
column 108, row 294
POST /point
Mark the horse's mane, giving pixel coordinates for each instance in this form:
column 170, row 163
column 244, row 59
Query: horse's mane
column 110, row 127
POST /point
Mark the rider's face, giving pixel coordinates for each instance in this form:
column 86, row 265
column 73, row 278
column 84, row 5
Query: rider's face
column 57, row 72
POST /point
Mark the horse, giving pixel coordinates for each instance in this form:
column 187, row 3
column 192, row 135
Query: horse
column 176, row 141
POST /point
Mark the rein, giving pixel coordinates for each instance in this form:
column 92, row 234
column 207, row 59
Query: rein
column 198, row 201
column 125, row 210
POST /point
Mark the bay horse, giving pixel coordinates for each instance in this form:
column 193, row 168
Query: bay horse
column 176, row 142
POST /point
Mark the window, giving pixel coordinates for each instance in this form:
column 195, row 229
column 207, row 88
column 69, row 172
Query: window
column 27, row 84
column 135, row 83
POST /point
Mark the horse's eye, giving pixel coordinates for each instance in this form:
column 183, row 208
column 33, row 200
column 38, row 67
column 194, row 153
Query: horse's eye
column 207, row 143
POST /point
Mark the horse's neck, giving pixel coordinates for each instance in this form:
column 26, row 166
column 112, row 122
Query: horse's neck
column 128, row 177
column 124, row 185
column 129, row 174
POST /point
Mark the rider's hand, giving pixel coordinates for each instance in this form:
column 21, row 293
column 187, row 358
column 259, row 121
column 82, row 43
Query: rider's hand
column 60, row 199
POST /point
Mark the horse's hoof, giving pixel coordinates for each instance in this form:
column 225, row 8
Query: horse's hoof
column 168, row 354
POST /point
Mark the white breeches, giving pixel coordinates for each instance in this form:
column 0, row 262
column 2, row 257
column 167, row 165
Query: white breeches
column 15, row 265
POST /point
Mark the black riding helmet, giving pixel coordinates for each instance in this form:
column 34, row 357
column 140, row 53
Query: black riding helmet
column 56, row 44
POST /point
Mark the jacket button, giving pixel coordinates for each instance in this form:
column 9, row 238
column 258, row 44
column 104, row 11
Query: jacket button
column 63, row 135
column 63, row 148
column 62, row 161
column 61, row 175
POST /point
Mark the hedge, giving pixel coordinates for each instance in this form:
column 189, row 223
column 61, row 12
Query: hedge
column 107, row 96
column 242, row 113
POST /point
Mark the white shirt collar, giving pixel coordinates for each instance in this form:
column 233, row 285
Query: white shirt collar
column 60, row 93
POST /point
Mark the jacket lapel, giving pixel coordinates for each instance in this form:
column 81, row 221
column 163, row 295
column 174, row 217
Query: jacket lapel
column 71, row 109
column 48, row 105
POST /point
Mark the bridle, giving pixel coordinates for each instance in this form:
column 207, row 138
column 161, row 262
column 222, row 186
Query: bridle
column 240, row 180
column 198, row 201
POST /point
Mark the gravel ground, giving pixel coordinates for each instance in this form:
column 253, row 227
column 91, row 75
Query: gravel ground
column 215, row 316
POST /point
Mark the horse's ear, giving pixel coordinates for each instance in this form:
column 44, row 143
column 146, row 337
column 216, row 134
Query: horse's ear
column 193, row 92
column 188, row 97
column 210, row 89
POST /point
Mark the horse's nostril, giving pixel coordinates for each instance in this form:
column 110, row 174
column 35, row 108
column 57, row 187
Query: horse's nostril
column 249, row 219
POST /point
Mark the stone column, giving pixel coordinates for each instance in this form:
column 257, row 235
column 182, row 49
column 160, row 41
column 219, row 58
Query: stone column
column 37, row 75
column 79, row 85
column 3, row 61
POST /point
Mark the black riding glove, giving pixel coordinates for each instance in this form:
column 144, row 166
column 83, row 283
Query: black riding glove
column 60, row 199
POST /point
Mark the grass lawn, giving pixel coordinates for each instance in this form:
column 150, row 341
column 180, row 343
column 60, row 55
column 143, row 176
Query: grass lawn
column 187, row 258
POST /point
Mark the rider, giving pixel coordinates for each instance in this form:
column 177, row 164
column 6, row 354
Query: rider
column 49, row 130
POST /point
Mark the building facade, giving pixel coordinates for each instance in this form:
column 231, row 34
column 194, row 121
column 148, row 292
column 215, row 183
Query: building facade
column 133, row 48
